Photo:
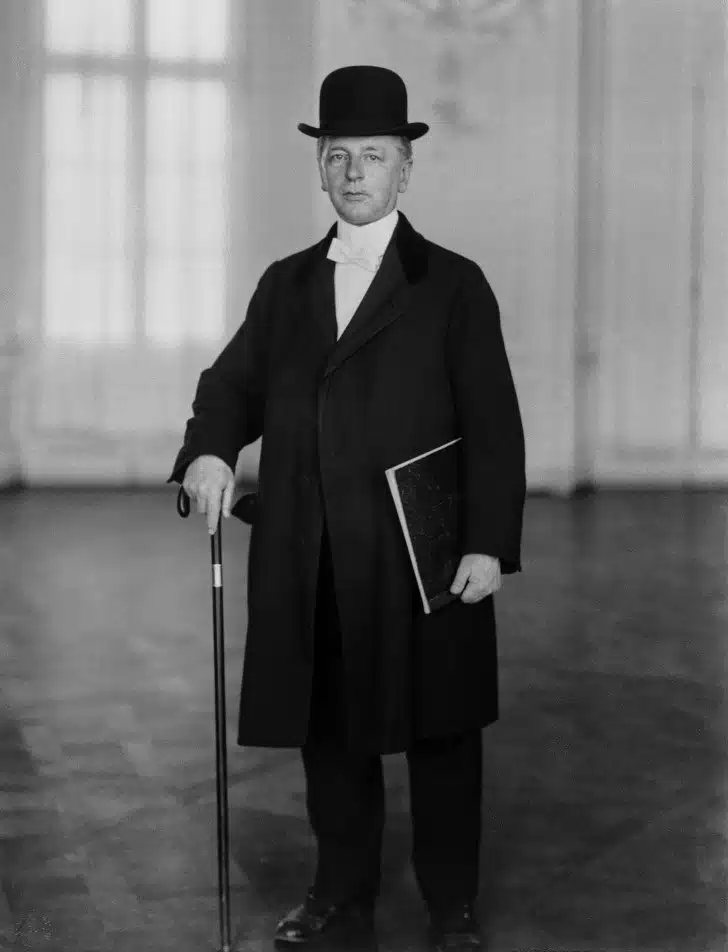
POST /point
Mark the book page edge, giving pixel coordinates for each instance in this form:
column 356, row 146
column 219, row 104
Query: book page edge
column 414, row 459
column 394, row 489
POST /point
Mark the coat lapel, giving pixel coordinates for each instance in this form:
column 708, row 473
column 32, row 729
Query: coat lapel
column 314, row 279
column 382, row 304
column 321, row 301
column 404, row 264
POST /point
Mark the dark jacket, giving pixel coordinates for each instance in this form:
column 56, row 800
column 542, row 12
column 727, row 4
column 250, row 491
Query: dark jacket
column 422, row 362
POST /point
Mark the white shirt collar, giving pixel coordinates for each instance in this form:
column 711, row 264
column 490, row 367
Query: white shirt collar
column 373, row 237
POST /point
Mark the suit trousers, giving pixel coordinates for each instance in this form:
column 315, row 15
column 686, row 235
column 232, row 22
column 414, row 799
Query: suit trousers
column 345, row 789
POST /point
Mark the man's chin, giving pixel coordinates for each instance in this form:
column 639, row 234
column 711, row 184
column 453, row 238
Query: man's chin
column 356, row 216
column 358, row 213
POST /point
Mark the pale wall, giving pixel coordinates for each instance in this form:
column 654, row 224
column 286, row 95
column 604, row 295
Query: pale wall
column 579, row 156
column 662, row 338
column 13, row 84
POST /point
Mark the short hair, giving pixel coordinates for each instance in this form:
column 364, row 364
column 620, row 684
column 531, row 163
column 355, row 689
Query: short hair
column 404, row 147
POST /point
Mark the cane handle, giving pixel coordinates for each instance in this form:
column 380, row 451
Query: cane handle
column 183, row 503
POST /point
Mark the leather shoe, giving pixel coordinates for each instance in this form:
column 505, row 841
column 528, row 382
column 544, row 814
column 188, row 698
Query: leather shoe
column 316, row 919
column 455, row 930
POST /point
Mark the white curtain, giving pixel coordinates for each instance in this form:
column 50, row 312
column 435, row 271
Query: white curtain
column 134, row 225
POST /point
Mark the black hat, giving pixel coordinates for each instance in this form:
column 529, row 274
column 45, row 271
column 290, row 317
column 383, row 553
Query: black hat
column 364, row 101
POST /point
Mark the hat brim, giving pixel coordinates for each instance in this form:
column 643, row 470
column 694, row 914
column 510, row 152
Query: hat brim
column 410, row 130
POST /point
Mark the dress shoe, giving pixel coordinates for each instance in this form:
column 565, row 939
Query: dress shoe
column 455, row 929
column 317, row 920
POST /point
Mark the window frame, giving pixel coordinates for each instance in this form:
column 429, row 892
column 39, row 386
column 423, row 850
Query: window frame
column 136, row 67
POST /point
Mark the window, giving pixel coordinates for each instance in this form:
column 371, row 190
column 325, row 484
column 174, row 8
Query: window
column 136, row 135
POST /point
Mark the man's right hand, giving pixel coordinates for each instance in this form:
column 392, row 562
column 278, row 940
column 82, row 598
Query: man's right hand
column 210, row 483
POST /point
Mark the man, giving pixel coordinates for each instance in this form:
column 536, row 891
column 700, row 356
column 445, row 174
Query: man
column 366, row 349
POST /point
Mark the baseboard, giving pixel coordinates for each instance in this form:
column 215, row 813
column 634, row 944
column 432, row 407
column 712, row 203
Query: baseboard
column 9, row 472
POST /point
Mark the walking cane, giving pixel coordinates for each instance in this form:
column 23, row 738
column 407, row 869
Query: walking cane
column 223, row 837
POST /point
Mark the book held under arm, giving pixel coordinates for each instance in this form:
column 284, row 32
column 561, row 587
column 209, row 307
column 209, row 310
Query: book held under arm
column 426, row 494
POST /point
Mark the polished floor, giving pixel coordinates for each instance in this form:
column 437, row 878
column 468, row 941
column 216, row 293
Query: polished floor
column 605, row 796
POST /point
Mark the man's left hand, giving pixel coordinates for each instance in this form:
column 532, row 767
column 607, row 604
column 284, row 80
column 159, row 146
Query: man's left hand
column 477, row 577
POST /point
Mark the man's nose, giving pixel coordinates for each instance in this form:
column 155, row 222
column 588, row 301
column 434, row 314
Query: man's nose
column 354, row 169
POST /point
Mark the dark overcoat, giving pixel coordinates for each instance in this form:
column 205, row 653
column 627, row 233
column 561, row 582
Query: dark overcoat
column 421, row 362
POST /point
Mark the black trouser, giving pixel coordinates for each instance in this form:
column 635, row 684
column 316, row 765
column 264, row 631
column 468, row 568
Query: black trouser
column 345, row 789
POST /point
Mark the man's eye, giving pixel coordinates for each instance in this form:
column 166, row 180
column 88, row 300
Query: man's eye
column 336, row 156
column 375, row 158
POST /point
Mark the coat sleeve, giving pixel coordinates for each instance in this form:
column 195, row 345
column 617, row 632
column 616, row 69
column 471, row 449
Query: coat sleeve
column 229, row 403
column 489, row 421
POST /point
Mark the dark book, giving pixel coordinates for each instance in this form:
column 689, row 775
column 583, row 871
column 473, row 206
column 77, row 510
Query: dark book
column 426, row 494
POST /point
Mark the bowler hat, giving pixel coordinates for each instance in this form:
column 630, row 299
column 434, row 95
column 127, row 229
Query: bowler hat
column 364, row 101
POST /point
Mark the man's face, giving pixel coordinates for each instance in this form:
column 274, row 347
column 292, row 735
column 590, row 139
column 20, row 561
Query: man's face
column 363, row 176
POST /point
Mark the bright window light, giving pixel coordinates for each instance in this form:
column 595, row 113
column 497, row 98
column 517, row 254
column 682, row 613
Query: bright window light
column 185, row 209
column 135, row 173
column 88, row 26
column 187, row 29
column 87, row 241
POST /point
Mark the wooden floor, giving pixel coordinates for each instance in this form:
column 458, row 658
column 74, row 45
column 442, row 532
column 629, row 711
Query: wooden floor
column 605, row 799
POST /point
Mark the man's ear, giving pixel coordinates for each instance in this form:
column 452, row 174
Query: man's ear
column 404, row 176
column 320, row 159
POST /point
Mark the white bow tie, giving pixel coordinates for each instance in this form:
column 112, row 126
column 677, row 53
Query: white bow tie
column 343, row 254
